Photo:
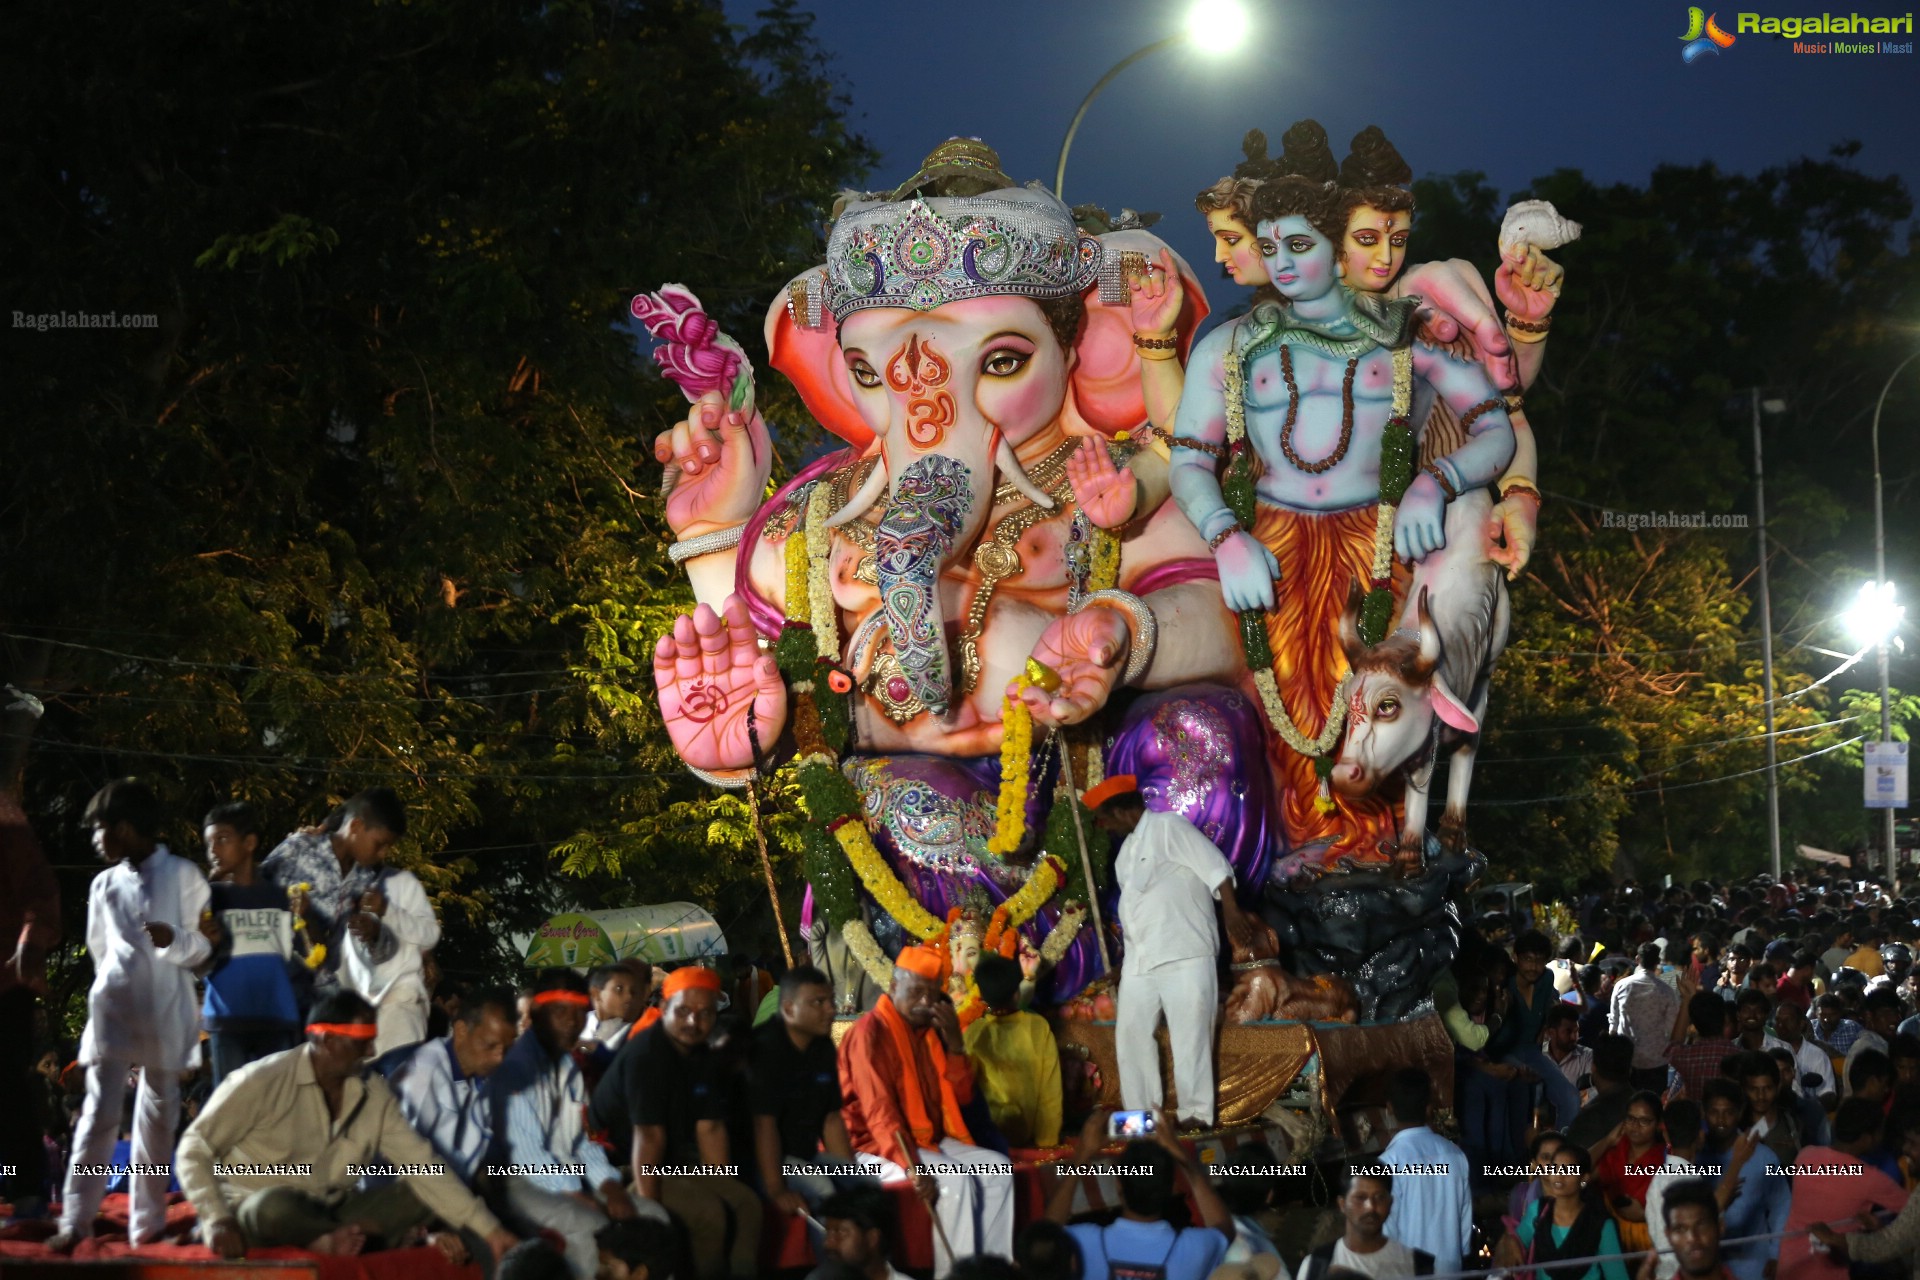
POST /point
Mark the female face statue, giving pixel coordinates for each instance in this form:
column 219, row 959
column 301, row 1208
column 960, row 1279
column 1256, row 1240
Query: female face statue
column 1375, row 248
column 1301, row 261
column 1236, row 248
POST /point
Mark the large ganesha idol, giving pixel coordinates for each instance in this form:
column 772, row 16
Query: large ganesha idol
column 943, row 598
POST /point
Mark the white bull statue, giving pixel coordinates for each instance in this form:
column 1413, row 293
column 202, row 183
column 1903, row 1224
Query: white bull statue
column 1423, row 689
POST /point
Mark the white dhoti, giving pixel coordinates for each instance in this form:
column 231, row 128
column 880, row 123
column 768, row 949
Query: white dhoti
column 975, row 1204
column 156, row 1115
column 531, row 1210
column 1186, row 991
column 400, row 1016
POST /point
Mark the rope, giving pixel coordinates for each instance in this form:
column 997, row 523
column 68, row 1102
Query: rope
column 1618, row 1257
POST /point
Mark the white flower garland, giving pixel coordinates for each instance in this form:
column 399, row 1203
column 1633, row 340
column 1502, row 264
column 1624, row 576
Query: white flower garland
column 824, row 617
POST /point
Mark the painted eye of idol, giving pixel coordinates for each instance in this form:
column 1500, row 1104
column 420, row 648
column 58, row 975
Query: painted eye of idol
column 1389, row 708
column 1005, row 361
column 1299, row 244
column 1268, row 248
column 863, row 373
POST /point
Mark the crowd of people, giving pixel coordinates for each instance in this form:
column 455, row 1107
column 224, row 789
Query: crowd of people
column 1682, row 1067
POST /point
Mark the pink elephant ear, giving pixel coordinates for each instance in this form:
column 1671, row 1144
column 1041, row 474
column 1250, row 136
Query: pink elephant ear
column 1106, row 376
column 811, row 360
column 1451, row 710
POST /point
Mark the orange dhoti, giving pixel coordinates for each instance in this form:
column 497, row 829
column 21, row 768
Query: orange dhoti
column 1321, row 556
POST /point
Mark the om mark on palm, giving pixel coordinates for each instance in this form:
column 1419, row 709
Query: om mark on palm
column 919, row 372
column 703, row 700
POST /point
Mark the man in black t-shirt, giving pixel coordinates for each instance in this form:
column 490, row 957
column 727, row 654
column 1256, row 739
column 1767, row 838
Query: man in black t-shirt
column 795, row 1094
column 663, row 1085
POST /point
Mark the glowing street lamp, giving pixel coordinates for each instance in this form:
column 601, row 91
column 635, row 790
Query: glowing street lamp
column 1212, row 26
column 1874, row 616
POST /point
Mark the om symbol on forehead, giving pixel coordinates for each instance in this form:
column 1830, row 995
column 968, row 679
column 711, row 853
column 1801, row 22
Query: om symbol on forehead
column 919, row 372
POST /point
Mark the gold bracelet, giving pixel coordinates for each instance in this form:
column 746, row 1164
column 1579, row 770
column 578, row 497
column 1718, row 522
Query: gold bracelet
column 1150, row 353
column 1520, row 486
column 1146, row 343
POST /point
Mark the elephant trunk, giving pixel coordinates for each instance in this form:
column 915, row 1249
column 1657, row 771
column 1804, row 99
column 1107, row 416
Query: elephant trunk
column 936, row 507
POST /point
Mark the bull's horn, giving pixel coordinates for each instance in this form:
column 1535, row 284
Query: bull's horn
column 1429, row 634
column 1010, row 467
column 870, row 493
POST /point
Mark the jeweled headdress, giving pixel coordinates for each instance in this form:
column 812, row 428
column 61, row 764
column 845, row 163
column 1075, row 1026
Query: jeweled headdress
column 924, row 252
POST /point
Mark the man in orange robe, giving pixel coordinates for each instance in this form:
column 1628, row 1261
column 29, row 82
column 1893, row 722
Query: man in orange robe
column 903, row 1078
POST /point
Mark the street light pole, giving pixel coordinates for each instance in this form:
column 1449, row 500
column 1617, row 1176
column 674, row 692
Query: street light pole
column 1766, row 643
column 1066, row 143
column 1880, row 576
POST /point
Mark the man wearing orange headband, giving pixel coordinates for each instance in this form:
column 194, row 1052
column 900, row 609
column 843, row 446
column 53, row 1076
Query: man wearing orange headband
column 273, row 1158
column 1170, row 876
column 540, row 1140
column 903, row 1078
column 666, row 1100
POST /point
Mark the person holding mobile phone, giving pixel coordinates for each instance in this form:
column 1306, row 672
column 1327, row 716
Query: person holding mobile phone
column 1142, row 1241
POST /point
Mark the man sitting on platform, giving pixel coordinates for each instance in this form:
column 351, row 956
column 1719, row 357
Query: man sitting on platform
column 666, row 1085
column 903, row 1076
column 1015, row 1060
column 795, row 1095
column 540, row 1133
column 272, row 1159
column 442, row 1084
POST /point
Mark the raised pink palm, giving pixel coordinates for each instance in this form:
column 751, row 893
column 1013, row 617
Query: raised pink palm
column 1087, row 649
column 710, row 671
column 1107, row 493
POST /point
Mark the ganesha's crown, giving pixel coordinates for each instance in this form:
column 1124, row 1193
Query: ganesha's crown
column 925, row 252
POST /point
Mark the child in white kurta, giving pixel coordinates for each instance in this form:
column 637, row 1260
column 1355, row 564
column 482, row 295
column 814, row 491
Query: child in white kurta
column 143, row 934
column 388, row 966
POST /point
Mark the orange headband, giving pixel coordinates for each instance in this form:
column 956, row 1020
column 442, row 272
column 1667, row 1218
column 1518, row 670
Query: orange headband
column 689, row 977
column 923, row 962
column 577, row 998
column 1118, row 784
column 351, row 1030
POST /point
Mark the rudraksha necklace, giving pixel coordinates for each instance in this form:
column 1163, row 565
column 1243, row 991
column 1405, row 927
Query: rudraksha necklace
column 1333, row 459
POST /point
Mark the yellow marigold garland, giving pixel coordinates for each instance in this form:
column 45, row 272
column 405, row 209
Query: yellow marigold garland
column 885, row 887
column 1105, row 571
column 1042, row 883
column 1016, row 752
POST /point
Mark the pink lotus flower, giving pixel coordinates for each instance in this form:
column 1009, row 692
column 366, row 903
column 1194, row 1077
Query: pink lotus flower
column 692, row 351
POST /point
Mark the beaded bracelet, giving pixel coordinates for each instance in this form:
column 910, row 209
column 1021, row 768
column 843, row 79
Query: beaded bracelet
column 1472, row 415
column 1446, row 485
column 1218, row 452
column 1217, row 540
column 1146, row 343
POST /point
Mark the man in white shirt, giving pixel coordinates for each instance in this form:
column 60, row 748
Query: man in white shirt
column 1643, row 1010
column 1366, row 1204
column 1564, row 1050
column 1170, row 877
column 1790, row 1025
column 442, row 1084
column 1682, row 1119
column 143, row 936
column 1432, row 1178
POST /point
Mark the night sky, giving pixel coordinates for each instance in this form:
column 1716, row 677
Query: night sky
column 1512, row 88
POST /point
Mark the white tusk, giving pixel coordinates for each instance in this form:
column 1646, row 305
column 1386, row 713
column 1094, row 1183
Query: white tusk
column 862, row 502
column 1011, row 469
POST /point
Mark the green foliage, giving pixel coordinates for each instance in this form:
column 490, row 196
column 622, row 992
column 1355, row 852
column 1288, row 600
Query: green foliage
column 1062, row 840
column 371, row 504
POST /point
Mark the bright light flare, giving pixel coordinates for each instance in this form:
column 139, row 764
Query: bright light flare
column 1218, row 26
column 1874, row 615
